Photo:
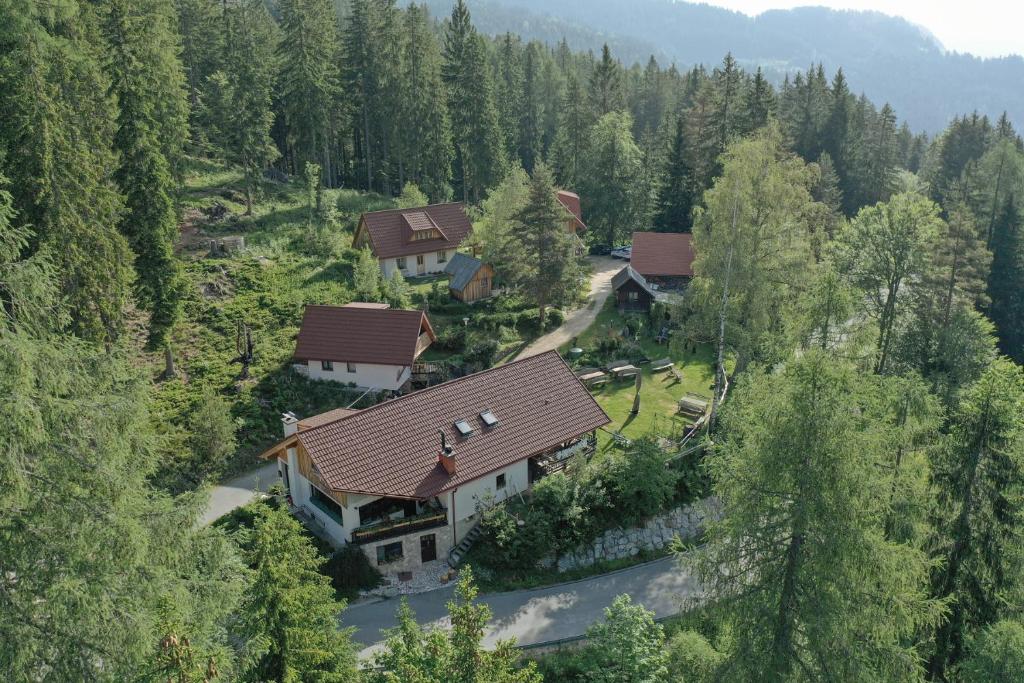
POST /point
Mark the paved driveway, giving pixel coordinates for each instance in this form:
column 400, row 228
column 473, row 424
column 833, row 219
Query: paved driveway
column 581, row 318
column 237, row 492
column 542, row 614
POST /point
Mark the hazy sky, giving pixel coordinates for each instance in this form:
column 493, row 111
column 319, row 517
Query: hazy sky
column 987, row 28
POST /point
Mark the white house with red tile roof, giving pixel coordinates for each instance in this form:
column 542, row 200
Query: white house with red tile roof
column 416, row 241
column 366, row 344
column 404, row 479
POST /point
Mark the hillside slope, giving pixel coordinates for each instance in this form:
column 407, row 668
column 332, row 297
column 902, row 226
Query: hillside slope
column 888, row 58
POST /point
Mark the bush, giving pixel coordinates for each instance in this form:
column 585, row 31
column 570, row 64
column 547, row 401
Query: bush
column 638, row 482
column 452, row 338
column 691, row 657
column 212, row 434
column 350, row 572
column 480, row 352
column 555, row 317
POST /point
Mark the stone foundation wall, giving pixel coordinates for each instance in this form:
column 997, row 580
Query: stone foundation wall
column 685, row 522
column 410, row 560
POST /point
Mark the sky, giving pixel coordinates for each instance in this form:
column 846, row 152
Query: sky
column 987, row 28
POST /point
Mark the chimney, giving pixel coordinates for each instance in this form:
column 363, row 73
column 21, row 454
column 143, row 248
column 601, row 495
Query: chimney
column 445, row 456
column 290, row 422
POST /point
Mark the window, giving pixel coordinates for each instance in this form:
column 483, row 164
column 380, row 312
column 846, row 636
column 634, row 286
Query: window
column 350, row 367
column 389, row 553
column 400, row 262
column 499, row 482
column 326, row 504
column 485, row 284
column 489, row 418
column 633, row 296
column 464, row 427
column 419, row 259
column 442, row 256
column 326, row 366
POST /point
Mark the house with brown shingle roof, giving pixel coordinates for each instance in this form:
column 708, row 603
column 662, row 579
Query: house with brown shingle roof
column 369, row 345
column 405, row 479
column 416, row 241
column 663, row 258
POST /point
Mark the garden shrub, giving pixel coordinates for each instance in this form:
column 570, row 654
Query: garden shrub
column 691, row 657
column 638, row 482
column 211, row 434
column 480, row 352
column 350, row 572
column 554, row 317
column 452, row 338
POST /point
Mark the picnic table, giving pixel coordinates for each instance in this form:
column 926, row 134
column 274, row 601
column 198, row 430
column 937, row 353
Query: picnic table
column 662, row 364
column 592, row 377
column 624, row 371
column 692, row 404
column 617, row 364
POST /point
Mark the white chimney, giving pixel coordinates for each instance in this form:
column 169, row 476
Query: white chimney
column 290, row 423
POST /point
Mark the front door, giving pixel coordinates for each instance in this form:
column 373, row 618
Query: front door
column 284, row 475
column 428, row 548
column 421, row 266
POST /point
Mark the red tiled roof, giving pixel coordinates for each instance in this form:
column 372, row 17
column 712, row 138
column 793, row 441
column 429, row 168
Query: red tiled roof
column 360, row 334
column 390, row 231
column 325, row 418
column 571, row 201
column 391, row 449
column 662, row 253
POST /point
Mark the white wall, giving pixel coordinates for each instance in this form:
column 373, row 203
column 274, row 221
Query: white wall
column 367, row 375
column 467, row 495
column 430, row 264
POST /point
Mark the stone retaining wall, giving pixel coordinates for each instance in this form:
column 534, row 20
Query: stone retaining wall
column 685, row 522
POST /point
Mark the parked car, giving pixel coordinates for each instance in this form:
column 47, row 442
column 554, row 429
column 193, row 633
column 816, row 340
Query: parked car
column 623, row 252
column 600, row 249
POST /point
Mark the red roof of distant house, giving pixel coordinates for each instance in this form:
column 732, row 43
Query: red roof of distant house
column 360, row 333
column 571, row 201
column 391, row 449
column 666, row 254
column 390, row 232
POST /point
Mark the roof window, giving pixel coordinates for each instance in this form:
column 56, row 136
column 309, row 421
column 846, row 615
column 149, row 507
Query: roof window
column 464, row 427
column 489, row 418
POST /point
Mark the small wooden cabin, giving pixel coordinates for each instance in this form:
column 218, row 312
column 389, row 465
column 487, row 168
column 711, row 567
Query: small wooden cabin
column 469, row 279
column 632, row 291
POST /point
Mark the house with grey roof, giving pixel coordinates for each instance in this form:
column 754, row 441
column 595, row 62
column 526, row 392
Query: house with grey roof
column 469, row 279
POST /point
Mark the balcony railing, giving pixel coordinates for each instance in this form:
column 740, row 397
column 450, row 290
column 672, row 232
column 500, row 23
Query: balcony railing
column 400, row 527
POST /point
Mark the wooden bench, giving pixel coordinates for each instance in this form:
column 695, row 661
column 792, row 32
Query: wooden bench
column 662, row 364
column 625, row 371
column 617, row 364
column 693, row 405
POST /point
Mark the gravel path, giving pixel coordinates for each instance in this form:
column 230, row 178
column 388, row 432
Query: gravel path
column 541, row 614
column 236, row 492
column 581, row 318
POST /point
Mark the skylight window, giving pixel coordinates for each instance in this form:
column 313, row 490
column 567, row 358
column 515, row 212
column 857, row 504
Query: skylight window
column 489, row 418
column 464, row 427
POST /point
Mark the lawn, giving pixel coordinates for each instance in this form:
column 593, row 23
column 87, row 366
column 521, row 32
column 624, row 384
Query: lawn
column 659, row 392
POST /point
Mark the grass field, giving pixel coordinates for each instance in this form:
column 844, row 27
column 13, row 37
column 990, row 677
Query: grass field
column 659, row 392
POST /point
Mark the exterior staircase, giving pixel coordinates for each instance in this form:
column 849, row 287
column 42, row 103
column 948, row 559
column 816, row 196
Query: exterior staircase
column 456, row 554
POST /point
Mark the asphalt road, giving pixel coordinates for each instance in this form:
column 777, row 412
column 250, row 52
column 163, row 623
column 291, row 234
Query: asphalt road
column 541, row 614
column 237, row 492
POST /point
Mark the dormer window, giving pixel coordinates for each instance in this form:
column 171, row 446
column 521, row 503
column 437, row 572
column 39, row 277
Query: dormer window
column 463, row 427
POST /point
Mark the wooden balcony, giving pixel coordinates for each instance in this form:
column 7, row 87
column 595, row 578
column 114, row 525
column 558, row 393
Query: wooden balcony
column 399, row 527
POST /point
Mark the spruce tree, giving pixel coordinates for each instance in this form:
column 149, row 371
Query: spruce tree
column 426, row 136
column 760, row 102
column 570, row 147
column 479, row 147
column 1006, row 280
column 548, row 274
column 135, row 33
column 612, row 166
column 58, row 121
column 308, row 81
column 606, row 87
column 675, row 203
column 244, row 114
column 289, row 616
column 979, row 473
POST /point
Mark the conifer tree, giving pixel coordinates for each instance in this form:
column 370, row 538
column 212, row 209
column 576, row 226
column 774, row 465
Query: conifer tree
column 1006, row 280
column 135, row 33
column 612, row 166
column 57, row 115
column 546, row 269
column 479, row 147
column 528, row 129
column 675, row 203
column 290, row 616
column 837, row 127
column 308, row 81
column 606, row 87
column 570, row 147
column 243, row 111
column 795, row 582
column 510, row 79
column 426, row 136
column 202, row 49
column 979, row 472
column 760, row 102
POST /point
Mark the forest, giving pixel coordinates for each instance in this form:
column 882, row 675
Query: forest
column 861, row 283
